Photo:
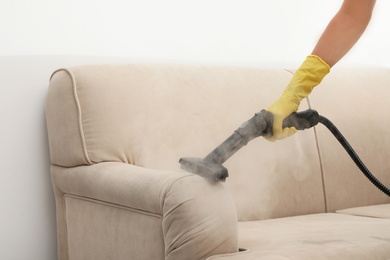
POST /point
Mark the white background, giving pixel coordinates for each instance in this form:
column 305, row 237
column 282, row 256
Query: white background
column 249, row 32
column 273, row 33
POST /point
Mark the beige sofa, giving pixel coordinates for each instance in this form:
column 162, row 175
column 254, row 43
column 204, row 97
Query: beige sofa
column 116, row 133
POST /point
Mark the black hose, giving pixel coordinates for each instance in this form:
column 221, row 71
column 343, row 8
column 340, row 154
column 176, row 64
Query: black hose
column 332, row 128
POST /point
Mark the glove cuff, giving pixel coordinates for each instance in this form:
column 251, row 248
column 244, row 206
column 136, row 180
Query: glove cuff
column 315, row 62
column 309, row 75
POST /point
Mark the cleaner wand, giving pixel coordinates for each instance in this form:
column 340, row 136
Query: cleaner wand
column 260, row 124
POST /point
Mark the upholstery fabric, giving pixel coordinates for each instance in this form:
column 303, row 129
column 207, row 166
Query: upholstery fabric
column 100, row 231
column 376, row 211
column 318, row 236
column 151, row 115
column 195, row 218
column 360, row 110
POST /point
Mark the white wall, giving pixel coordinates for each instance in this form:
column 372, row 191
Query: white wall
column 27, row 214
column 278, row 33
column 27, row 208
column 255, row 32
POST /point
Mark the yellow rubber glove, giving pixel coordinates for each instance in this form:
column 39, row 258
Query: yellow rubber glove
column 309, row 75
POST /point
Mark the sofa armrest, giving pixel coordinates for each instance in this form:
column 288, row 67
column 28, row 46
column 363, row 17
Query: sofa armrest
column 198, row 218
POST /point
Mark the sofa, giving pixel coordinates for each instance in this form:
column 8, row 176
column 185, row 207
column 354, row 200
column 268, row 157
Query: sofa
column 116, row 133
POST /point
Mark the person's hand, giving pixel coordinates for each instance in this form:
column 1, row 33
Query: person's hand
column 281, row 109
column 309, row 75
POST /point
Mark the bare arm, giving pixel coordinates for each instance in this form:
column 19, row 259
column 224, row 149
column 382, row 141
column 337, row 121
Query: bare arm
column 344, row 30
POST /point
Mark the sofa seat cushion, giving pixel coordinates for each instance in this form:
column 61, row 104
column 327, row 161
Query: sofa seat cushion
column 376, row 211
column 317, row 236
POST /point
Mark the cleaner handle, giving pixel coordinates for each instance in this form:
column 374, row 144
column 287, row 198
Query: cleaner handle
column 259, row 125
column 302, row 120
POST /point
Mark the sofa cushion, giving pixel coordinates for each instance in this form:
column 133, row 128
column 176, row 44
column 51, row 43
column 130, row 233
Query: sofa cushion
column 318, row 236
column 377, row 211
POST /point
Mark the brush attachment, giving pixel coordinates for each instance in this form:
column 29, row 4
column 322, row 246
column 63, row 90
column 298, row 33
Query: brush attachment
column 212, row 171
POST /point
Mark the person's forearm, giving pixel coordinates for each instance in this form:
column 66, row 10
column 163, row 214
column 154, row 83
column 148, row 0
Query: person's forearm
column 341, row 34
column 344, row 30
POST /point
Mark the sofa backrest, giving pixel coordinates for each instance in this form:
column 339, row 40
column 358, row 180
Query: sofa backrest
column 357, row 102
column 151, row 115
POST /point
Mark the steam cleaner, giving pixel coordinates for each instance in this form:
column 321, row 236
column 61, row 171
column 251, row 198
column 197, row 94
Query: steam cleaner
column 260, row 124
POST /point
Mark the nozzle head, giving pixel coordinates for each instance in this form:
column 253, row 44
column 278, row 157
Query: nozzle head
column 212, row 171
